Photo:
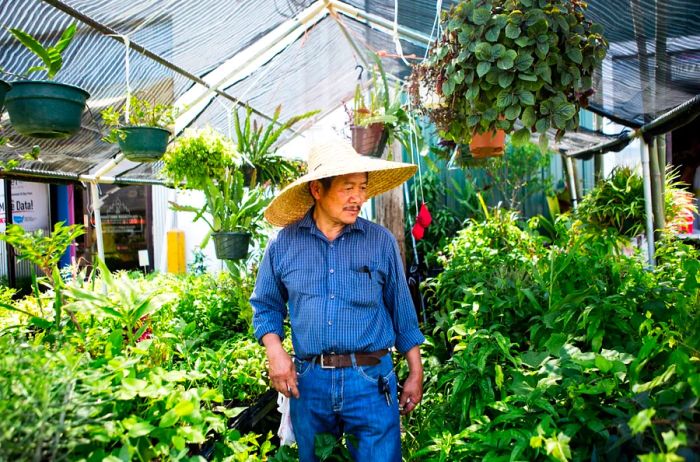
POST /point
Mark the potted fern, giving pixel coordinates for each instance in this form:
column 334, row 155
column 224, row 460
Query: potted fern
column 140, row 128
column 500, row 63
column 44, row 108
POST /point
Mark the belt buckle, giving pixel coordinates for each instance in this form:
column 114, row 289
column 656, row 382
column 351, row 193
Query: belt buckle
column 324, row 366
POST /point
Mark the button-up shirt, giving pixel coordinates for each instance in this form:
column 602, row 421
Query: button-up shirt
column 348, row 295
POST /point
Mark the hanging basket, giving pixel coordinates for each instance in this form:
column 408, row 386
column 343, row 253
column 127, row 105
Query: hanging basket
column 4, row 88
column 369, row 140
column 144, row 144
column 45, row 109
column 489, row 144
column 230, row 245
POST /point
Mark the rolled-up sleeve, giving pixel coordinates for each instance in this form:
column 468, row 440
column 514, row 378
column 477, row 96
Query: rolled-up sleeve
column 269, row 298
column 398, row 301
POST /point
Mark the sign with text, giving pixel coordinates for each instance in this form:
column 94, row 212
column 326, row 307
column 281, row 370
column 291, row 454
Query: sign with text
column 30, row 205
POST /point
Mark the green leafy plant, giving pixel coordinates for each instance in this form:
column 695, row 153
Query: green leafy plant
column 52, row 57
column 142, row 113
column 198, row 156
column 256, row 146
column 618, row 203
column 44, row 252
column 379, row 103
column 230, row 206
column 502, row 61
column 121, row 299
column 518, row 174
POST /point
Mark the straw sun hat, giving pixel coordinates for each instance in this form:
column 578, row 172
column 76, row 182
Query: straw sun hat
column 334, row 157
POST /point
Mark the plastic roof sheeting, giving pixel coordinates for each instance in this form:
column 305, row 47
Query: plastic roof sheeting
column 315, row 71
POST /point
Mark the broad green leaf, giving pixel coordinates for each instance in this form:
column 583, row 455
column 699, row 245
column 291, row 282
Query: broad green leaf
column 559, row 447
column 183, row 408
column 513, row 112
column 672, row 441
column 481, row 16
column 505, row 63
column 512, row 31
column 492, row 34
column 140, row 429
column 33, row 45
column 642, row 420
column 505, row 78
column 505, row 99
column 561, row 113
column 520, row 138
column 543, row 142
column 575, row 55
column 526, row 98
column 169, row 419
column 528, row 117
column 527, row 77
column 483, row 51
column 604, row 365
column 542, row 125
column 483, row 68
column 178, row 442
column 499, row 376
column 524, row 61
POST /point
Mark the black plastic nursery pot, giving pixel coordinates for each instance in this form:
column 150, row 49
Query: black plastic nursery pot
column 4, row 88
column 144, row 144
column 45, row 109
column 231, row 245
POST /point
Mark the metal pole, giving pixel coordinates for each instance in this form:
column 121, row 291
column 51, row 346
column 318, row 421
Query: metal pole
column 98, row 221
column 572, row 182
column 646, row 175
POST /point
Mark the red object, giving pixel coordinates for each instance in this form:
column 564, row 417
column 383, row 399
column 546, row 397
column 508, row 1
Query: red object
column 418, row 231
column 687, row 227
column 424, row 217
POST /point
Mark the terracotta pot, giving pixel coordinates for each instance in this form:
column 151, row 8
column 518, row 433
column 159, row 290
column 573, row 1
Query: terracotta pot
column 369, row 140
column 489, row 144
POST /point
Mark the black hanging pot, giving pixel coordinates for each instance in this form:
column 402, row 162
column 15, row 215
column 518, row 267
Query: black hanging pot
column 143, row 144
column 4, row 88
column 369, row 140
column 43, row 109
column 230, row 245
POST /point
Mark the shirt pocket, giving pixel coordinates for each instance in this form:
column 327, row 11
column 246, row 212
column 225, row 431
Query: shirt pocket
column 364, row 286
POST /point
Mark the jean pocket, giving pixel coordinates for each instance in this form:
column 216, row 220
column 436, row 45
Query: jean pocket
column 302, row 367
column 372, row 373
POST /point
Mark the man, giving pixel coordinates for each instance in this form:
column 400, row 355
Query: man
column 341, row 280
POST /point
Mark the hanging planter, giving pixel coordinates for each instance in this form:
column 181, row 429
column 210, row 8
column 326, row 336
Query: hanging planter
column 489, row 144
column 370, row 140
column 231, row 245
column 4, row 88
column 143, row 144
column 44, row 109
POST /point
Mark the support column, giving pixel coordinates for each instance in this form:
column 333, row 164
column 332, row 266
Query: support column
column 646, row 175
column 390, row 210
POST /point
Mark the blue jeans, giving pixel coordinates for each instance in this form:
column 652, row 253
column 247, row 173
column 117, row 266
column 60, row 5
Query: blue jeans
column 347, row 400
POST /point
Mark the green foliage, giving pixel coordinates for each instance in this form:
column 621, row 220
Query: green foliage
column 119, row 298
column 39, row 249
column 502, row 61
column 379, row 104
column 618, row 202
column 198, row 156
column 141, row 114
column 230, row 205
column 328, row 447
column 110, row 393
column 256, row 145
column 562, row 349
column 518, row 174
column 52, row 57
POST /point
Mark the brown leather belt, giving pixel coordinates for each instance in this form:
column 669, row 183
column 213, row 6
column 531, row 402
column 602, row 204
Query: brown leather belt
column 332, row 360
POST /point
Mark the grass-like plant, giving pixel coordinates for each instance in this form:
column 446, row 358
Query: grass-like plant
column 50, row 56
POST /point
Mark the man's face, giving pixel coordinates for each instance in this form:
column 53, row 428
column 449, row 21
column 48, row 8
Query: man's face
column 341, row 203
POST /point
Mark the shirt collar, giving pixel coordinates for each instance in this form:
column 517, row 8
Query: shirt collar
column 308, row 222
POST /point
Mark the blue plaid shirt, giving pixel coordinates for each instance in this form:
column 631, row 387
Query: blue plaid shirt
column 344, row 296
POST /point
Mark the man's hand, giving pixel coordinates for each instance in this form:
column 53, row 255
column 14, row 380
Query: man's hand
column 283, row 374
column 412, row 393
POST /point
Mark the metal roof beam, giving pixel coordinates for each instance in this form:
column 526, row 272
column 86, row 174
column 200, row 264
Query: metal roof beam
column 108, row 31
column 381, row 24
column 243, row 64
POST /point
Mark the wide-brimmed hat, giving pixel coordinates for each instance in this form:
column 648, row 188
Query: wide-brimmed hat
column 328, row 158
